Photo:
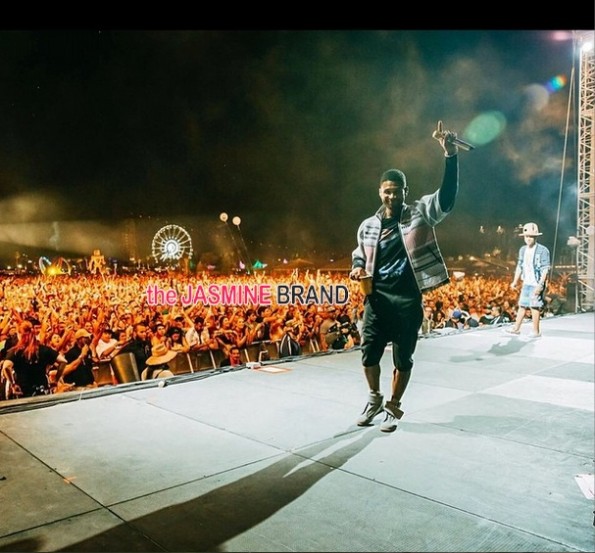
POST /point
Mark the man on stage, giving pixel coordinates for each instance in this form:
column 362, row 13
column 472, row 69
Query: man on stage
column 397, row 247
column 533, row 267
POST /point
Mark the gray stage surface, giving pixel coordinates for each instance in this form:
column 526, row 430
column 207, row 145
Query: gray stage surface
column 495, row 453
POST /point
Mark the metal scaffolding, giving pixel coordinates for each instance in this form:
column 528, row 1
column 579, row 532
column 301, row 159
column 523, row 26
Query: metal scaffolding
column 586, row 193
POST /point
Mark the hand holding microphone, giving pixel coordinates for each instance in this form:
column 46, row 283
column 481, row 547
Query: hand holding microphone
column 450, row 137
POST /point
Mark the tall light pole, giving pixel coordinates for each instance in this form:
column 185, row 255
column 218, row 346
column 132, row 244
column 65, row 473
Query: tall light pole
column 225, row 219
column 236, row 221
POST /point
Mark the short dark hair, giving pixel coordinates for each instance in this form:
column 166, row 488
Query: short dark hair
column 394, row 175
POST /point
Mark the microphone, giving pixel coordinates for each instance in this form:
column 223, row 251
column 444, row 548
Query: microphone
column 451, row 138
column 460, row 143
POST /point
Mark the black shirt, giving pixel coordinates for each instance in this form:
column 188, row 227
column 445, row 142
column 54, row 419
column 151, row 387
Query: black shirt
column 289, row 346
column 83, row 374
column 393, row 270
column 31, row 375
column 141, row 350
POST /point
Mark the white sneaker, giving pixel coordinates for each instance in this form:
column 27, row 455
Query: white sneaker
column 371, row 410
column 389, row 424
column 392, row 412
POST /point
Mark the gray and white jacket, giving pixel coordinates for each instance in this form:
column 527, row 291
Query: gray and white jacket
column 417, row 230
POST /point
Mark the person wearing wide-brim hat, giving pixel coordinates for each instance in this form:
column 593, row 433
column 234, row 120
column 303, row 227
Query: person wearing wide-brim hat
column 533, row 266
column 157, row 364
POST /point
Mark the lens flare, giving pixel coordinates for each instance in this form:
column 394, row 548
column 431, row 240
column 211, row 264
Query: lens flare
column 556, row 83
column 485, row 127
column 537, row 96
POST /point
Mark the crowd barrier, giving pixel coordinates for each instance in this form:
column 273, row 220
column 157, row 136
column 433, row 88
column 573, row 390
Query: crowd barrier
column 122, row 368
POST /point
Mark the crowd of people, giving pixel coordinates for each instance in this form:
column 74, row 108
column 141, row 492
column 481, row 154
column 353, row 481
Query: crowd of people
column 58, row 329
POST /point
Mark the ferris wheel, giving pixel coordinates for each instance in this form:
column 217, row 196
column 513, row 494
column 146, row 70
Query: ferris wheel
column 171, row 243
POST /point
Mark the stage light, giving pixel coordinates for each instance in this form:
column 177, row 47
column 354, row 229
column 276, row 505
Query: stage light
column 236, row 221
column 573, row 242
column 223, row 217
column 560, row 36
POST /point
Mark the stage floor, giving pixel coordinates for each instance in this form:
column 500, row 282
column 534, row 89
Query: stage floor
column 495, row 453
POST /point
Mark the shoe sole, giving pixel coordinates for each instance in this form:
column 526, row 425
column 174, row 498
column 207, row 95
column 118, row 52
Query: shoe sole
column 388, row 430
column 385, row 428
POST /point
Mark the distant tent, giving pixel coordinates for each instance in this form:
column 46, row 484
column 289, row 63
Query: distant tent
column 342, row 264
column 299, row 263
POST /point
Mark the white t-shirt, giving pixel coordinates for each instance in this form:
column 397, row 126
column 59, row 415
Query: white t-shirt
column 194, row 338
column 102, row 346
column 528, row 271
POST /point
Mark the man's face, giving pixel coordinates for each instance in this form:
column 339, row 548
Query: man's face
column 392, row 194
column 529, row 240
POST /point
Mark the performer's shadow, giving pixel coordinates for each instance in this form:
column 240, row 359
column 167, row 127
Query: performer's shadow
column 215, row 517
column 507, row 346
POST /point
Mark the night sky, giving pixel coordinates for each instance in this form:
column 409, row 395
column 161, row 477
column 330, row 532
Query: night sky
column 107, row 131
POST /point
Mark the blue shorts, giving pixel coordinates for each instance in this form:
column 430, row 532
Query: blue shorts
column 528, row 298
